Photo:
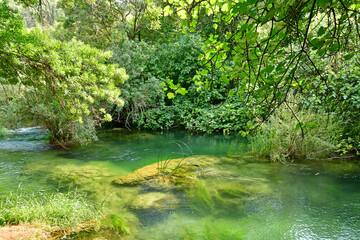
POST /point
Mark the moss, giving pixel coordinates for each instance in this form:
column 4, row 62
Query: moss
column 155, row 201
column 179, row 226
column 220, row 197
column 202, row 199
column 230, row 191
column 93, row 178
column 117, row 223
column 174, row 171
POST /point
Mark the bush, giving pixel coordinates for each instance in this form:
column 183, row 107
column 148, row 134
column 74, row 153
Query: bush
column 341, row 96
column 150, row 67
column 2, row 131
column 12, row 107
column 284, row 138
column 226, row 117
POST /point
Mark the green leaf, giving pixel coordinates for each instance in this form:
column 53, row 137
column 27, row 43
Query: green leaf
column 280, row 65
column 204, row 72
column 251, row 1
column 243, row 133
column 224, row 78
column 322, row 3
column 349, row 56
column 317, row 43
column 269, row 16
column 170, row 95
column 168, row 11
column 182, row 91
column 334, row 47
column 321, row 52
column 321, row 31
column 269, row 69
column 232, row 92
column 169, row 81
column 243, row 28
column 182, row 14
column 225, row 7
column 240, row 8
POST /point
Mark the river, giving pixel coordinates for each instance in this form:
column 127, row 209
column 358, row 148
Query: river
column 244, row 197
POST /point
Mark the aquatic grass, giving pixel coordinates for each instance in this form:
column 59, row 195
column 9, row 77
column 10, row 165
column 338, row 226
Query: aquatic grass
column 117, row 223
column 163, row 166
column 202, row 199
column 62, row 210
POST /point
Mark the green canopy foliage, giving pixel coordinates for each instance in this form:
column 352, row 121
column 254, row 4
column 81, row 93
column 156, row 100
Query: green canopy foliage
column 99, row 23
column 277, row 48
column 68, row 86
column 206, row 65
column 272, row 43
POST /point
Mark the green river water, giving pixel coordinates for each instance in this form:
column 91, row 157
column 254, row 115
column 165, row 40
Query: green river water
column 244, row 197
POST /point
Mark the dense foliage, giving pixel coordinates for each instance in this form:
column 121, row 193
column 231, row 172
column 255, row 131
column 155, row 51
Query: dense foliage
column 282, row 139
column 277, row 48
column 66, row 85
column 208, row 66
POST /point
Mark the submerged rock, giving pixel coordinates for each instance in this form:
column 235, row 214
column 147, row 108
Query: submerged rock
column 174, row 171
column 155, row 201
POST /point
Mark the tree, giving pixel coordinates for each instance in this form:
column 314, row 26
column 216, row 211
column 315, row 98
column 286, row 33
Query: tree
column 274, row 45
column 101, row 22
column 67, row 85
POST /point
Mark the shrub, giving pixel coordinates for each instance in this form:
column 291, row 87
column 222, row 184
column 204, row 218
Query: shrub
column 293, row 133
column 2, row 131
column 341, row 96
column 150, row 68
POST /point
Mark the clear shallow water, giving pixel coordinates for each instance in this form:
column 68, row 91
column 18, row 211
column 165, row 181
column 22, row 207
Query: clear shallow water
column 249, row 198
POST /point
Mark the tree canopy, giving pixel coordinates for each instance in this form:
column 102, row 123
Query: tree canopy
column 66, row 83
column 206, row 65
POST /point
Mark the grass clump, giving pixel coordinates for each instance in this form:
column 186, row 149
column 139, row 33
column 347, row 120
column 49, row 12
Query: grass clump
column 293, row 133
column 67, row 213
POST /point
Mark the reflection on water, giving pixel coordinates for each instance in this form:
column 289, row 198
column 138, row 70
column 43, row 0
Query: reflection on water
column 239, row 197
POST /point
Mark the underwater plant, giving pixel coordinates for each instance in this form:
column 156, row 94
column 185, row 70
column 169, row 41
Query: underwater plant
column 117, row 223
